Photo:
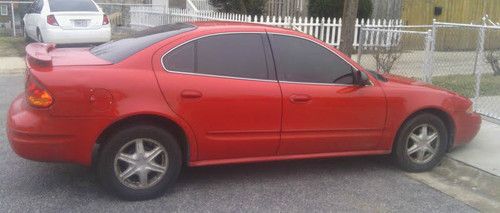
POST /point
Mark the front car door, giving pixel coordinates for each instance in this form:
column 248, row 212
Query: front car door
column 225, row 88
column 323, row 110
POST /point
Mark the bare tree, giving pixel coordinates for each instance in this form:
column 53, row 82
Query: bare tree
column 348, row 26
column 386, row 57
column 492, row 57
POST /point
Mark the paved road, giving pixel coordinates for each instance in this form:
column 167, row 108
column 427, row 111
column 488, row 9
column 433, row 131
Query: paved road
column 367, row 184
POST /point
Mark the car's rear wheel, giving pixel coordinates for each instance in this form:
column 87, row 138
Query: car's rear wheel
column 140, row 162
column 421, row 143
column 27, row 39
column 39, row 36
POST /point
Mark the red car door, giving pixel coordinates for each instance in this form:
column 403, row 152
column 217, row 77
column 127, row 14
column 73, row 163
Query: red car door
column 323, row 111
column 222, row 87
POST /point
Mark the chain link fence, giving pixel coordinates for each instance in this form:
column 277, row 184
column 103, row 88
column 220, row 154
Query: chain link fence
column 395, row 51
column 466, row 61
column 488, row 97
column 11, row 16
column 463, row 58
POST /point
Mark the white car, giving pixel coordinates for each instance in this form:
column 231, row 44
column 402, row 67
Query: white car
column 66, row 22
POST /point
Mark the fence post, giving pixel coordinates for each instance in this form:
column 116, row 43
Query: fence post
column 13, row 19
column 480, row 55
column 361, row 41
column 432, row 50
column 427, row 74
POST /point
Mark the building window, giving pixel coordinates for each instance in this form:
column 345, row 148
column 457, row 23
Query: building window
column 4, row 10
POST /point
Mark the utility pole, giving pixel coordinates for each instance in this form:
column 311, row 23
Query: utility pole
column 349, row 15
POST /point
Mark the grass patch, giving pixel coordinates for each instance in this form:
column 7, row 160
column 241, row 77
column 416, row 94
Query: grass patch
column 466, row 84
column 12, row 47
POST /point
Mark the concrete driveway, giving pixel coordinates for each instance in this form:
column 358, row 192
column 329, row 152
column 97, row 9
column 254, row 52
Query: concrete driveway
column 362, row 184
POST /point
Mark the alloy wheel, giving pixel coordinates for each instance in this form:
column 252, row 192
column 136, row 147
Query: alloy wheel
column 141, row 163
column 422, row 143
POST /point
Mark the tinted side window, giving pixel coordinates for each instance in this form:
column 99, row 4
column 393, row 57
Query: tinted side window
column 236, row 55
column 31, row 7
column 40, row 7
column 36, row 7
column 181, row 59
column 300, row 60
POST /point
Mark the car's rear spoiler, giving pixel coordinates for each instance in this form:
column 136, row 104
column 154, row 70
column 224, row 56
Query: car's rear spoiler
column 39, row 53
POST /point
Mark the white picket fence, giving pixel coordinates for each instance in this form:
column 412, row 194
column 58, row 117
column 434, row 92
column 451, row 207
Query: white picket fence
column 325, row 29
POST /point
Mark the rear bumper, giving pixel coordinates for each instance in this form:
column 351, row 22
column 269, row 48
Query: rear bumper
column 80, row 36
column 35, row 135
column 467, row 127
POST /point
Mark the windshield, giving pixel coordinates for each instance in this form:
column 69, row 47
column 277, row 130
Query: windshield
column 116, row 51
column 73, row 5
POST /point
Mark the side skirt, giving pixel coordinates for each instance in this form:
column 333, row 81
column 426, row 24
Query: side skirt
column 285, row 157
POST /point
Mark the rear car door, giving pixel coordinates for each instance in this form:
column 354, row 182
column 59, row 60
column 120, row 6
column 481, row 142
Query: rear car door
column 224, row 87
column 323, row 111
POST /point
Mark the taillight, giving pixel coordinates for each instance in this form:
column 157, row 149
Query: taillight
column 105, row 20
column 36, row 95
column 51, row 19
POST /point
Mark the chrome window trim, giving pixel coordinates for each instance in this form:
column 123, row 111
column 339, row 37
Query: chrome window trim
column 256, row 79
column 222, row 76
column 318, row 84
column 210, row 75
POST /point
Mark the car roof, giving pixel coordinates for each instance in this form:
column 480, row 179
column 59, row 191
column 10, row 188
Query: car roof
column 208, row 24
column 230, row 24
column 234, row 25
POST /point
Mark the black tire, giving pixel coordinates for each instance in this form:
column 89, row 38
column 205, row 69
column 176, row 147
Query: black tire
column 39, row 36
column 27, row 39
column 106, row 163
column 402, row 144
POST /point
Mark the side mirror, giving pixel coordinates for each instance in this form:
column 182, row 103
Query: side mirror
column 361, row 78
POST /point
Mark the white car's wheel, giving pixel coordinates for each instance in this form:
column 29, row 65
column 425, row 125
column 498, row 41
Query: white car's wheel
column 39, row 36
column 27, row 39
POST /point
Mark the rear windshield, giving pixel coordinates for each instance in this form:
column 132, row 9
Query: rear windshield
column 72, row 5
column 116, row 51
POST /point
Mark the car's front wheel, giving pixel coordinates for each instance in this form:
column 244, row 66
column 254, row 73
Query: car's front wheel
column 140, row 162
column 421, row 143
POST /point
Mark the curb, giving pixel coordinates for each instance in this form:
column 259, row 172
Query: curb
column 469, row 176
column 475, row 187
column 12, row 71
column 12, row 65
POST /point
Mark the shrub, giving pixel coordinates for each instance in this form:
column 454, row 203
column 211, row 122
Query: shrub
column 334, row 8
column 248, row 7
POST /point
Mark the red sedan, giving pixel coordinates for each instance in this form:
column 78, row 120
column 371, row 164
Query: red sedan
column 212, row 93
